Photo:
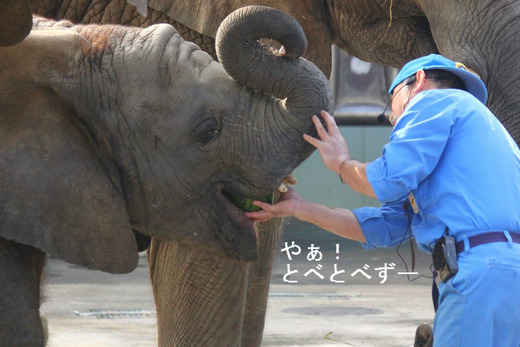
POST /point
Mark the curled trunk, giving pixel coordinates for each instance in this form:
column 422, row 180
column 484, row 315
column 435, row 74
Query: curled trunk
column 283, row 73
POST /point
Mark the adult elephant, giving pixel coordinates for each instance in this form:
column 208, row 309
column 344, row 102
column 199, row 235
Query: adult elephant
column 110, row 132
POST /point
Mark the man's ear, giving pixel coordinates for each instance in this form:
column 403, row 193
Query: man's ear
column 421, row 82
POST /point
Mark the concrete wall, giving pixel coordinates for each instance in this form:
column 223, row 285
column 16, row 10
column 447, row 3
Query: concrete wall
column 318, row 184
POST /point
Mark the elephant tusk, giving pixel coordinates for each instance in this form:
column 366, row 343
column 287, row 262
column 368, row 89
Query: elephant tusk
column 290, row 179
column 282, row 188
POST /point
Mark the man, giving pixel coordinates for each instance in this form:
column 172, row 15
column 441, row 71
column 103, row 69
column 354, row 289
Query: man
column 450, row 175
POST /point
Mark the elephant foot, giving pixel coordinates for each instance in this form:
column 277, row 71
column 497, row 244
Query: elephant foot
column 20, row 272
column 45, row 327
column 29, row 332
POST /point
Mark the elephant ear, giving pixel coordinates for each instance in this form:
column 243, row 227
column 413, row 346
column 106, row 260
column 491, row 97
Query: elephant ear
column 56, row 194
column 205, row 16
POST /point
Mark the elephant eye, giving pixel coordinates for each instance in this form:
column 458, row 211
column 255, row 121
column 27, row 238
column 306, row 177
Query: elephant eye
column 206, row 132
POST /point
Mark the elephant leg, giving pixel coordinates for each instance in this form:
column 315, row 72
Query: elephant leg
column 258, row 282
column 199, row 296
column 21, row 268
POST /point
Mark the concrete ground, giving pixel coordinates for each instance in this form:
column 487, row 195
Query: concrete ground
column 91, row 308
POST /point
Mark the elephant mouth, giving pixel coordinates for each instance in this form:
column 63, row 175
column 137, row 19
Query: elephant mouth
column 235, row 232
column 231, row 229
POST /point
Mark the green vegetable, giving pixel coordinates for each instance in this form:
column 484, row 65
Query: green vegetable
column 246, row 205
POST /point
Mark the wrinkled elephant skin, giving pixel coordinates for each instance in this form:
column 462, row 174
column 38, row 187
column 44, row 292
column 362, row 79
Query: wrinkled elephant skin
column 227, row 299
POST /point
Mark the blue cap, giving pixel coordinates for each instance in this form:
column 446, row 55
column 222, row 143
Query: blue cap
column 474, row 84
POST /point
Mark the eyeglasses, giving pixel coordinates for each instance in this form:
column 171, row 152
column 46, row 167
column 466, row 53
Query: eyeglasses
column 407, row 82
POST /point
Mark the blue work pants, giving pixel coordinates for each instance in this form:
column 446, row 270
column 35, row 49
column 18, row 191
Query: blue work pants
column 480, row 305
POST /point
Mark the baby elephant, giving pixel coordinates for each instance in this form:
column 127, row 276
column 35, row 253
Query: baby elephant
column 109, row 133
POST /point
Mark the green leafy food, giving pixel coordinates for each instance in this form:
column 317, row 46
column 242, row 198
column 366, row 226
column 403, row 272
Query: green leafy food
column 246, row 205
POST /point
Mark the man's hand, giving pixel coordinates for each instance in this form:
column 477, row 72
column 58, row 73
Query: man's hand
column 336, row 157
column 341, row 222
column 288, row 205
column 332, row 146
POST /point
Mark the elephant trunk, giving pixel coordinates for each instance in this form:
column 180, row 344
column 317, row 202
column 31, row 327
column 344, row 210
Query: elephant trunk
column 200, row 297
column 283, row 74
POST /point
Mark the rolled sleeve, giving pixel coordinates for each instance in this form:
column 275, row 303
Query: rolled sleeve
column 386, row 189
column 383, row 227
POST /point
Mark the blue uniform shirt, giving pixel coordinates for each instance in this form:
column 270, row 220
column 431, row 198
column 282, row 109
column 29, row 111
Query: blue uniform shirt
column 451, row 155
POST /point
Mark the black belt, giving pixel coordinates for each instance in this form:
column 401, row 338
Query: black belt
column 482, row 239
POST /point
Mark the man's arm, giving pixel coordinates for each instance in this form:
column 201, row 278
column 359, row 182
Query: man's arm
column 354, row 174
column 341, row 222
